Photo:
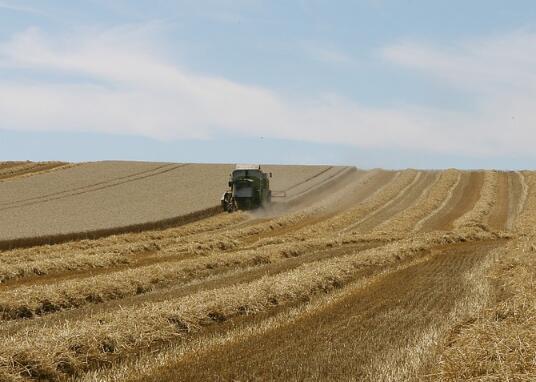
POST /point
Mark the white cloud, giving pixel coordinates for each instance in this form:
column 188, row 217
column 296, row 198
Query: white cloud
column 487, row 66
column 499, row 73
column 127, row 86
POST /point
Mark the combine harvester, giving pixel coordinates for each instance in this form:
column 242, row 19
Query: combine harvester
column 249, row 188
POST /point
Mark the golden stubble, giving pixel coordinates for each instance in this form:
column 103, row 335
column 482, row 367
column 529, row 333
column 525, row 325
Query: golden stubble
column 141, row 304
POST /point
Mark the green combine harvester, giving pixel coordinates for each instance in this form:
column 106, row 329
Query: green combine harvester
column 249, row 188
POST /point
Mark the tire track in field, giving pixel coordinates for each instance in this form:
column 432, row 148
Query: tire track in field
column 498, row 217
column 90, row 188
column 79, row 188
column 330, row 178
column 367, row 335
column 463, row 199
column 307, row 180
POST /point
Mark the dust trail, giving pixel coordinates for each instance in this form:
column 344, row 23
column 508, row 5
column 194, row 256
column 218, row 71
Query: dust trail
column 400, row 217
column 386, row 205
column 324, row 197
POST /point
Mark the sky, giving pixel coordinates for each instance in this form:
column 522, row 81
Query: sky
column 370, row 83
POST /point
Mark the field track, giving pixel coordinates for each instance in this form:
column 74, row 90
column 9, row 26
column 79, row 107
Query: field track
column 352, row 274
column 12, row 204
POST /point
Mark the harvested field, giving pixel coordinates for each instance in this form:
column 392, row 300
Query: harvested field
column 351, row 275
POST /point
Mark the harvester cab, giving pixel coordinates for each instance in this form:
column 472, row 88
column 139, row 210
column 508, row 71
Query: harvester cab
column 249, row 188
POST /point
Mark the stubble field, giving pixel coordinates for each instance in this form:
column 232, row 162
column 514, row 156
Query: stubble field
column 351, row 275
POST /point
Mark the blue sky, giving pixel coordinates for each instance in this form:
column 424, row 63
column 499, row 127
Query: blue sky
column 372, row 83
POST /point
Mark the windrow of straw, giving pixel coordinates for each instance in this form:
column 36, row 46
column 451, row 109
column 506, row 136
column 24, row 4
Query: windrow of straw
column 111, row 251
column 477, row 217
column 28, row 301
column 407, row 220
column 68, row 348
column 135, row 254
column 93, row 234
column 198, row 238
column 168, row 236
column 20, row 269
column 173, row 243
column 499, row 343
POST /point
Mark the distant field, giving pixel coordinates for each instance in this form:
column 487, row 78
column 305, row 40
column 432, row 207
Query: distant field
column 363, row 275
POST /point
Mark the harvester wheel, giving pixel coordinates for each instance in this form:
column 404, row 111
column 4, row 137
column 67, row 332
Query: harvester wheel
column 228, row 203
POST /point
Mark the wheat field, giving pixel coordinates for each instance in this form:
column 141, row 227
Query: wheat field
column 122, row 271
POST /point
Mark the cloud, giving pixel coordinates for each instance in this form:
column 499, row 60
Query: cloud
column 486, row 66
column 120, row 81
column 499, row 73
